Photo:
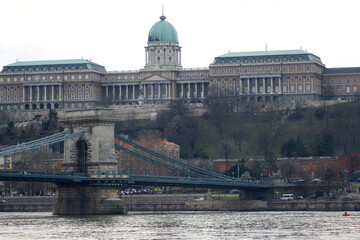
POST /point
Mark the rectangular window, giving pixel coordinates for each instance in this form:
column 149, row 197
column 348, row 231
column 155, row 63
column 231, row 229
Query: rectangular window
column 347, row 89
column 284, row 89
column 79, row 77
column 292, row 88
column 308, row 88
column 339, row 90
column 300, row 88
column 86, row 76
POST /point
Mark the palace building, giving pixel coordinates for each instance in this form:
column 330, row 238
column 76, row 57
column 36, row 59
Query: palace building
column 266, row 76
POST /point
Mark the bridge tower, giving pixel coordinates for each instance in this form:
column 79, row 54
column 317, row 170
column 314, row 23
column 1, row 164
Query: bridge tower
column 92, row 153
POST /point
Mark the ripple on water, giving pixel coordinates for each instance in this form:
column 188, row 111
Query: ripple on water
column 182, row 225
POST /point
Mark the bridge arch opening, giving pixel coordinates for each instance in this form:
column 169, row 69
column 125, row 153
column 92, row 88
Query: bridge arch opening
column 81, row 155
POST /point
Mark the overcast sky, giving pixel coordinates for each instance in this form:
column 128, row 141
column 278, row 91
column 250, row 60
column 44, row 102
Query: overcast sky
column 113, row 33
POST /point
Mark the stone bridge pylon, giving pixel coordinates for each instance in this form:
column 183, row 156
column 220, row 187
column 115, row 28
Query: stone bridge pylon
column 92, row 153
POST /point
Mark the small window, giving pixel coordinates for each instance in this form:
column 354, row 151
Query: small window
column 292, row 88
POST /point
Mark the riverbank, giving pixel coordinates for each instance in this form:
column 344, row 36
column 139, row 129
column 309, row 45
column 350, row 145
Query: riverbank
column 189, row 202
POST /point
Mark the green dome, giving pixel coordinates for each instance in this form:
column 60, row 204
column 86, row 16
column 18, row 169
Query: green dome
column 163, row 31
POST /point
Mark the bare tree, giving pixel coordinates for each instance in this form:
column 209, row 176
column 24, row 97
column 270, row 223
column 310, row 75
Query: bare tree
column 288, row 169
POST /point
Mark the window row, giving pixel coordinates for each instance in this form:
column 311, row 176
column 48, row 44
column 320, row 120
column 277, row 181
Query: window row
column 79, row 95
column 8, row 89
column 132, row 77
column 296, row 79
column 260, row 59
column 299, row 89
column 37, row 78
column 9, row 98
column 339, row 90
column 66, row 87
column 201, row 75
column 339, row 80
column 261, row 69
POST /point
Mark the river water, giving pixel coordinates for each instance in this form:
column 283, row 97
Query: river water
column 182, row 225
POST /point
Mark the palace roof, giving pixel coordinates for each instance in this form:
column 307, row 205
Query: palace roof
column 341, row 71
column 52, row 65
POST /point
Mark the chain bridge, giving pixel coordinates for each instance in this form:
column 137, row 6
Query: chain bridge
column 82, row 161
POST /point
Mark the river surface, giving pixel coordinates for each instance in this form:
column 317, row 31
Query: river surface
column 182, row 225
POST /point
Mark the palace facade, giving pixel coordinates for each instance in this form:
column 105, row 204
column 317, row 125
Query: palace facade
column 267, row 76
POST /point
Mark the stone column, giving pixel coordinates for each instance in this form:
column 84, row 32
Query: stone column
column 159, row 91
column 127, row 92
column 279, row 84
column 256, row 86
column 202, row 90
column 107, row 92
column 45, row 98
column 241, row 87
column 166, row 90
column 144, row 87
column 133, row 93
column 120, row 93
column 182, row 90
column 264, row 85
column 272, row 85
column 195, row 93
column 52, row 93
column 113, row 93
column 30, row 93
column 38, row 93
column 60, row 92
column 188, row 91
column 24, row 94
column 248, row 85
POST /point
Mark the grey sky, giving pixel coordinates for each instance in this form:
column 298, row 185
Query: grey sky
column 113, row 33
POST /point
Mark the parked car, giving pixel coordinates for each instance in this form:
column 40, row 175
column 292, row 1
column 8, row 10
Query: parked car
column 2, row 201
column 331, row 197
column 299, row 197
column 347, row 198
column 287, row 196
column 312, row 197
